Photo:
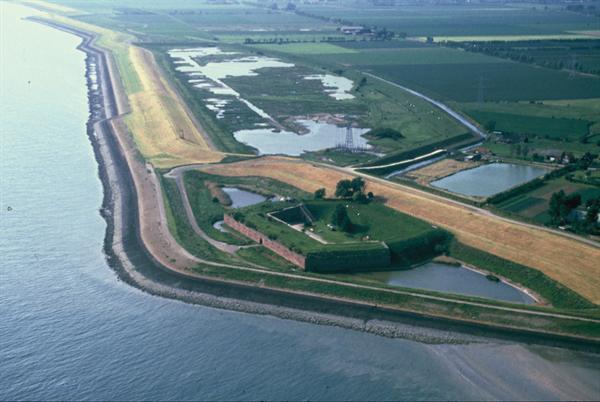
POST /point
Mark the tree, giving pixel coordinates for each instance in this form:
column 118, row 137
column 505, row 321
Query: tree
column 320, row 194
column 341, row 219
column 591, row 217
column 354, row 189
column 343, row 189
column 358, row 185
column 490, row 125
column 561, row 206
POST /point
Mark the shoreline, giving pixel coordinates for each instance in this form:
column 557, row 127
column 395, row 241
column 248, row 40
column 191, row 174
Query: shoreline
column 128, row 254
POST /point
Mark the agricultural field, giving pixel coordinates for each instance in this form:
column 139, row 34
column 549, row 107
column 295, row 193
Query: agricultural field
column 447, row 73
column 460, row 20
column 539, row 127
column 547, row 127
column 534, row 204
column 231, row 22
column 577, row 56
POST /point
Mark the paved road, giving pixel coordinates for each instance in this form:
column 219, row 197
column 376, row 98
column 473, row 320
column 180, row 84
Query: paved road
column 178, row 176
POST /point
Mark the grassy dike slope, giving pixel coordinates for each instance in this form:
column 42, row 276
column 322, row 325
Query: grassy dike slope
column 164, row 130
column 565, row 260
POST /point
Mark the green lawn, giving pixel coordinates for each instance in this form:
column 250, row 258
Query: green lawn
column 548, row 127
column 534, row 204
column 317, row 48
column 373, row 220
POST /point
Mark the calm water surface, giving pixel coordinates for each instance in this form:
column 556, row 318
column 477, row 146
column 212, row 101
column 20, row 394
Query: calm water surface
column 451, row 279
column 243, row 198
column 487, row 180
column 69, row 329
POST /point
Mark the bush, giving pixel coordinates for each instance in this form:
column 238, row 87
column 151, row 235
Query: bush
column 385, row 133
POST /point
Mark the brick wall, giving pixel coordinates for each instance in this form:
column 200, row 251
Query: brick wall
column 276, row 247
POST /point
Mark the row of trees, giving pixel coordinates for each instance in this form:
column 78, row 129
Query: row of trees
column 523, row 52
column 561, row 206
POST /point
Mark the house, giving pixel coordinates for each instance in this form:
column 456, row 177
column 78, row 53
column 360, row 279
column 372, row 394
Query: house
column 352, row 29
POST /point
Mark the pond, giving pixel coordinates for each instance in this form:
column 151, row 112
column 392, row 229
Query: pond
column 452, row 279
column 321, row 135
column 210, row 75
column 243, row 198
column 487, row 180
column 335, row 86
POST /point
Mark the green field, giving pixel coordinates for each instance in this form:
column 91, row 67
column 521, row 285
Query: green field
column 575, row 55
column 547, row 127
column 371, row 224
column 501, row 81
column 533, row 205
column 307, row 48
column 451, row 74
column 207, row 212
column 461, row 19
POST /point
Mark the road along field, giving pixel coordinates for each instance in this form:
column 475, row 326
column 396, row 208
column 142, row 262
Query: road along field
column 566, row 260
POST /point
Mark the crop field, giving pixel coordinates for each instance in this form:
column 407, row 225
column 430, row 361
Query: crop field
column 534, row 204
column 548, row 127
column 510, row 38
column 581, row 56
column 502, row 81
column 203, row 21
column 402, row 56
column 310, row 48
column 452, row 74
column 565, row 260
column 461, row 20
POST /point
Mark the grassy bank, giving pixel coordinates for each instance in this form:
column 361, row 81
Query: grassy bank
column 558, row 295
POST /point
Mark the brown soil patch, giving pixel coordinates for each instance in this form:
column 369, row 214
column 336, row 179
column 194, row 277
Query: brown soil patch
column 440, row 169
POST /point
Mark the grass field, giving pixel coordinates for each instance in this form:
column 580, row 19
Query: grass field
column 407, row 240
column 307, row 48
column 451, row 74
column 461, row 20
column 508, row 38
column 551, row 128
column 580, row 56
column 534, row 204
column 162, row 128
column 502, row 81
column 556, row 125
column 564, row 260
column 207, row 212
